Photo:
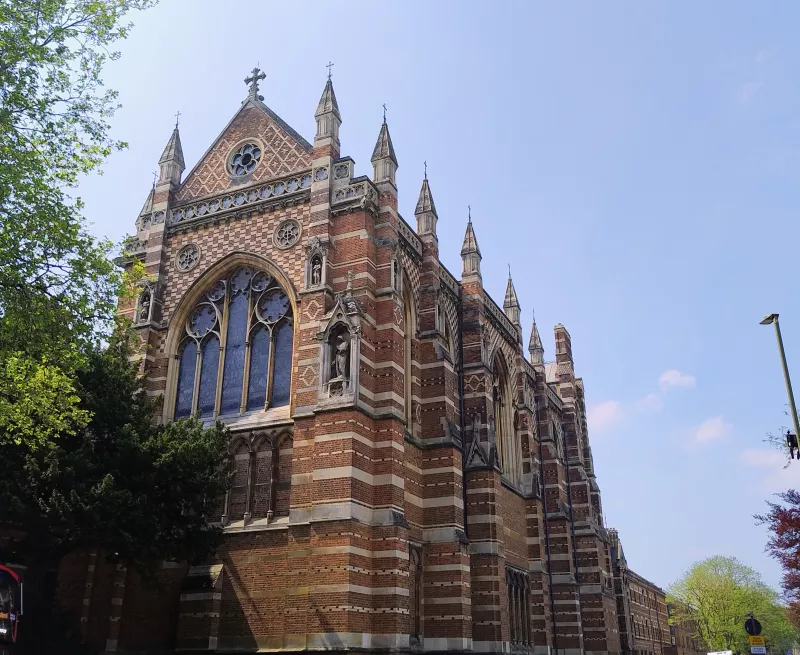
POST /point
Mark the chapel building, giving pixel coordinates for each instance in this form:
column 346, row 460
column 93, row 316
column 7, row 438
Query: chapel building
column 405, row 478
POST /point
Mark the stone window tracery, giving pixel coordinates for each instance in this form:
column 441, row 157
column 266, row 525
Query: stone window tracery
column 506, row 436
column 519, row 607
column 261, row 468
column 244, row 160
column 236, row 354
column 287, row 234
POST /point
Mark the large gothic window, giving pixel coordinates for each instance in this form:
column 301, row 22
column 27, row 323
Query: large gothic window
column 408, row 334
column 505, row 433
column 236, row 353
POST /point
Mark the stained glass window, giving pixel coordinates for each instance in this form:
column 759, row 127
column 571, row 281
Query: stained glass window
column 245, row 318
column 234, row 356
column 188, row 363
column 282, row 374
column 208, row 376
column 259, row 368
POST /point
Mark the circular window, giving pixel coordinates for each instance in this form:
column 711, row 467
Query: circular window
column 287, row 234
column 187, row 257
column 245, row 160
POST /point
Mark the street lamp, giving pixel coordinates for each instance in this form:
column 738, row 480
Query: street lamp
column 773, row 318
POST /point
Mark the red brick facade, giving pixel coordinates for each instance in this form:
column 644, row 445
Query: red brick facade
column 426, row 488
column 643, row 613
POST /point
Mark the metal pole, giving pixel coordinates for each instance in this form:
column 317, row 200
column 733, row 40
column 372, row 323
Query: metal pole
column 792, row 408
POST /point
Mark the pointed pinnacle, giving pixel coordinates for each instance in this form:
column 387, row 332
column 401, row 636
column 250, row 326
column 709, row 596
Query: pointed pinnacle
column 425, row 202
column 383, row 147
column 173, row 150
column 511, row 293
column 470, row 244
column 327, row 102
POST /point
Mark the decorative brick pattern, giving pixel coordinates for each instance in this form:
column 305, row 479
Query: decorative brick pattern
column 282, row 154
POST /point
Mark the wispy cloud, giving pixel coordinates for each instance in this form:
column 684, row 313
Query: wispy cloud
column 748, row 91
column 674, row 378
column 777, row 476
column 604, row 415
column 652, row 402
column 764, row 55
column 712, row 429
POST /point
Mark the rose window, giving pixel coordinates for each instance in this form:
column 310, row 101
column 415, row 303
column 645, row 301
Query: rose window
column 287, row 234
column 245, row 160
column 187, row 257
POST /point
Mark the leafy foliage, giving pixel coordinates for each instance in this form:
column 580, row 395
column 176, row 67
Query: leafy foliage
column 58, row 288
column 716, row 595
column 783, row 521
column 140, row 492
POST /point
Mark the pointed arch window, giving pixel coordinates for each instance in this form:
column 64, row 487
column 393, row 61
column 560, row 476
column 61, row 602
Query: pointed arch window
column 505, row 432
column 415, row 594
column 408, row 334
column 236, row 351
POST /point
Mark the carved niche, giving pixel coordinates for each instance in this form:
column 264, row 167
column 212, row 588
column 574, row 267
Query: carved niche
column 316, row 266
column 340, row 348
column 145, row 304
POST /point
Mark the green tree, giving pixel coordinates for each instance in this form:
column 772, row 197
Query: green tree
column 717, row 593
column 58, row 287
column 141, row 492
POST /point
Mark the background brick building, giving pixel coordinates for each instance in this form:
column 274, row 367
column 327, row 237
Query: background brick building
column 404, row 477
column 643, row 612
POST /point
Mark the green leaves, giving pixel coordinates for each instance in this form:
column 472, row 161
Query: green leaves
column 37, row 403
column 141, row 492
column 716, row 595
column 58, row 287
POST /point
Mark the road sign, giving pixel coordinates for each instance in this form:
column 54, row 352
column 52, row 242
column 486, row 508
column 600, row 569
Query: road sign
column 758, row 650
column 756, row 641
column 752, row 627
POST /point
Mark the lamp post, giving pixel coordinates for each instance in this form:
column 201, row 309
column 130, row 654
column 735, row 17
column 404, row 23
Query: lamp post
column 773, row 318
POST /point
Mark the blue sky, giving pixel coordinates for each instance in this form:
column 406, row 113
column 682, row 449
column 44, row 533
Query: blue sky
column 635, row 163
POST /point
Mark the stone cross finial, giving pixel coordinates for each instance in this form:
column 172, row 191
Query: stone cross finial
column 426, row 168
column 384, row 112
column 177, row 118
column 469, row 212
column 350, row 277
column 155, row 177
column 256, row 75
column 329, row 66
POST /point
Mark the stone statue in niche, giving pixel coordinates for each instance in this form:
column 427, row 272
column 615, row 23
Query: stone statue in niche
column 339, row 349
column 144, row 307
column 342, row 357
column 316, row 271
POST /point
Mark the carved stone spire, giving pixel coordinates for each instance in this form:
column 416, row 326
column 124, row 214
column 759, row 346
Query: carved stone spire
column 384, row 161
column 470, row 252
column 328, row 117
column 535, row 347
column 171, row 164
column 426, row 210
column 511, row 304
